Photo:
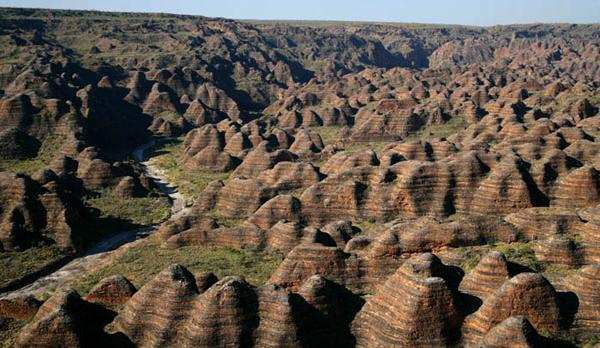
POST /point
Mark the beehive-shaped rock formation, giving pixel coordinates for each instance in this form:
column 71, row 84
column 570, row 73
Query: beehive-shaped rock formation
column 309, row 259
column 278, row 323
column 414, row 308
column 489, row 274
column 578, row 189
column 527, row 294
column 513, row 332
column 20, row 308
column 65, row 320
column 282, row 207
column 224, row 316
column 585, row 284
column 504, row 191
column 290, row 176
column 260, row 159
column 152, row 317
column 115, row 290
column 242, row 196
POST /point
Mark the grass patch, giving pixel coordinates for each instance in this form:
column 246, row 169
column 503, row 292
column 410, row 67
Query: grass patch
column 455, row 217
column 48, row 149
column 120, row 213
column 470, row 258
column 189, row 183
column 10, row 60
column 518, row 252
column 328, row 134
column 521, row 253
column 366, row 226
column 592, row 342
column 454, row 125
column 297, row 193
column 16, row 264
column 563, row 339
column 558, row 271
column 376, row 146
column 143, row 262
column 9, row 329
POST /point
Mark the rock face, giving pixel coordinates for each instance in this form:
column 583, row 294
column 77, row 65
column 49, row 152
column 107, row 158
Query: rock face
column 204, row 150
column 414, row 236
column 537, row 301
column 585, row 284
column 513, row 332
column 504, row 191
column 278, row 209
column 115, row 290
column 278, row 325
column 344, row 161
column 216, row 99
column 489, row 274
column 225, row 315
column 414, row 308
column 261, row 159
column 578, row 189
column 231, row 312
column 290, row 176
column 19, row 308
column 27, row 207
column 151, row 318
column 327, row 311
column 242, row 196
column 308, row 259
column 392, row 120
column 65, row 320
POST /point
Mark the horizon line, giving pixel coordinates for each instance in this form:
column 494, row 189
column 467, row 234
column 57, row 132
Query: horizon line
column 288, row 20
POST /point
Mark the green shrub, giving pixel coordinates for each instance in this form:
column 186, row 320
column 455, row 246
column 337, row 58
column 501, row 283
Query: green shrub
column 592, row 342
column 470, row 258
column 9, row 329
column 328, row 134
column 189, row 183
column 16, row 264
column 145, row 211
column 141, row 263
column 521, row 253
column 46, row 153
column 444, row 130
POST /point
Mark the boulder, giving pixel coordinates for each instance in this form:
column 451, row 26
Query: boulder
column 115, row 290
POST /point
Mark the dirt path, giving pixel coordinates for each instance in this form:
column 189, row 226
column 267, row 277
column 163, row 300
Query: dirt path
column 178, row 202
column 106, row 250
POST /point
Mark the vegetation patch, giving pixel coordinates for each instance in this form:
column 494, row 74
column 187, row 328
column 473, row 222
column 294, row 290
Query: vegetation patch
column 453, row 126
column 189, row 183
column 470, row 258
column 48, row 150
column 297, row 193
column 366, row 226
column 521, row 253
column 518, row 252
column 144, row 261
column 376, row 146
column 455, row 217
column 9, row 329
column 592, row 342
column 122, row 213
column 329, row 134
column 17, row 264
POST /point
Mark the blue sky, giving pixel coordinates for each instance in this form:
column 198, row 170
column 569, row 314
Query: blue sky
column 472, row 12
